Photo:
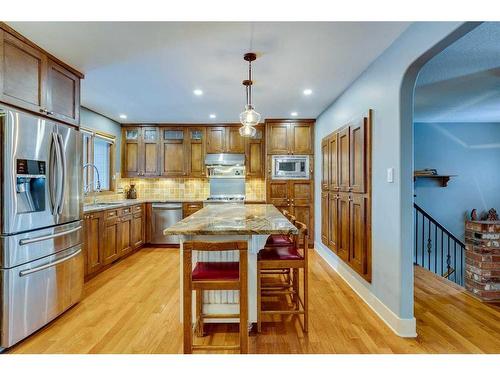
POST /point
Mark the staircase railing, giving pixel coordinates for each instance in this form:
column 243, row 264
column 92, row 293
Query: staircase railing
column 437, row 249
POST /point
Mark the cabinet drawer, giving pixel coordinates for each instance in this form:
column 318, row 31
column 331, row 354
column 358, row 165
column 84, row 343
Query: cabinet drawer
column 125, row 217
column 137, row 208
column 110, row 214
column 137, row 215
column 124, row 211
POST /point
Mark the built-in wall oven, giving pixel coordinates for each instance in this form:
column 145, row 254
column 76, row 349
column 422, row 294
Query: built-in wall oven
column 290, row 167
column 41, row 261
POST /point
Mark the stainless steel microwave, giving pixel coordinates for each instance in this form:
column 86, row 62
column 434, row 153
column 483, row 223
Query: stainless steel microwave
column 290, row 167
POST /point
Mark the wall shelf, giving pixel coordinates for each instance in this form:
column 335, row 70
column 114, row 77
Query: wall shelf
column 440, row 178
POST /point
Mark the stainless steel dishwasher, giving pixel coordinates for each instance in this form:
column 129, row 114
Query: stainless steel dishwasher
column 165, row 215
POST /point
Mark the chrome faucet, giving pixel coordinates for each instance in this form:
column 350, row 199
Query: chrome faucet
column 86, row 188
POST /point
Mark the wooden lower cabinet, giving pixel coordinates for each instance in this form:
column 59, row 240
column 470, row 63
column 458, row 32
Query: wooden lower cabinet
column 124, row 235
column 332, row 221
column 342, row 226
column 110, row 235
column 138, row 228
column 324, row 216
column 110, row 248
column 295, row 196
column 190, row 208
column 358, row 229
column 93, row 227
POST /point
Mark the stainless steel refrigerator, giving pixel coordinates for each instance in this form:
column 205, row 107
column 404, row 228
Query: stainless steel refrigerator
column 41, row 264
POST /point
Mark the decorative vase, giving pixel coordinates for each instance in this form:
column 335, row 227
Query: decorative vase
column 132, row 193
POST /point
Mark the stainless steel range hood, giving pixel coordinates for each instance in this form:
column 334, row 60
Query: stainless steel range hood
column 225, row 159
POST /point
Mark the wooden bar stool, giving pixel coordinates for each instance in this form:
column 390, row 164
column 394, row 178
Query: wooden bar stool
column 285, row 257
column 214, row 276
column 281, row 239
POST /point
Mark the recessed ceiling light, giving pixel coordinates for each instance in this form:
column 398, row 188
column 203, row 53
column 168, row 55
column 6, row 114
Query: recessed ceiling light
column 123, row 116
column 198, row 92
column 294, row 114
column 308, row 92
column 213, row 115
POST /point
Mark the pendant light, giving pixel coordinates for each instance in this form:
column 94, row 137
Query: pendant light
column 249, row 117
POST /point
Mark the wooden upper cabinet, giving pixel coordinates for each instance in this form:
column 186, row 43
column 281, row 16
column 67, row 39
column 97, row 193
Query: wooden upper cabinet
column 278, row 138
column 255, row 155
column 131, row 159
column 140, row 153
column 33, row 80
column 235, row 143
column 197, row 146
column 23, row 74
column 343, row 159
column 358, row 250
column 174, row 150
column 290, row 138
column 63, row 94
column 216, row 139
column 333, row 163
column 325, row 164
column 357, row 139
column 301, row 142
column 150, row 151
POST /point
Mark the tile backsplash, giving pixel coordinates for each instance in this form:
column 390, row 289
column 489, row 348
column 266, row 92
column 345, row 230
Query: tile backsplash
column 176, row 188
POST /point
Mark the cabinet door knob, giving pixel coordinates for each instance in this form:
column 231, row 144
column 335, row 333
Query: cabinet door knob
column 43, row 110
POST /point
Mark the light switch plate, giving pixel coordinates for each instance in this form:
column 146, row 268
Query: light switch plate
column 390, row 175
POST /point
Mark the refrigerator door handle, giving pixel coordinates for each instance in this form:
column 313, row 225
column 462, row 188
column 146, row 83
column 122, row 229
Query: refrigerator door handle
column 47, row 265
column 27, row 241
column 53, row 163
column 63, row 177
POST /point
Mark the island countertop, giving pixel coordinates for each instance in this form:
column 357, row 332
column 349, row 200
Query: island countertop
column 234, row 219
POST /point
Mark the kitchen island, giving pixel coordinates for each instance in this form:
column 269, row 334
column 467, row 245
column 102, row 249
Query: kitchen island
column 230, row 222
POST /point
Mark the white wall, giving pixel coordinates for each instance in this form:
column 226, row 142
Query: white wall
column 380, row 88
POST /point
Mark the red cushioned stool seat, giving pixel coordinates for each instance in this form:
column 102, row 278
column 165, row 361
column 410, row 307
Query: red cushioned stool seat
column 278, row 240
column 216, row 271
column 280, row 253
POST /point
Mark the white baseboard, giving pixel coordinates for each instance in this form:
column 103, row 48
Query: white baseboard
column 401, row 327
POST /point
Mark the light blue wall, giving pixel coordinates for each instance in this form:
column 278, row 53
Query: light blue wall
column 93, row 120
column 387, row 87
column 472, row 152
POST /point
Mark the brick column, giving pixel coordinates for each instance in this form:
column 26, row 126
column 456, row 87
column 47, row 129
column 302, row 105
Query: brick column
column 482, row 259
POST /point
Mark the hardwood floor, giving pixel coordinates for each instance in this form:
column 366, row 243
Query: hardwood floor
column 134, row 308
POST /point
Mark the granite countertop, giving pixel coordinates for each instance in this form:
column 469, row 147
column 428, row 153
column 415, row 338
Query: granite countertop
column 87, row 208
column 229, row 219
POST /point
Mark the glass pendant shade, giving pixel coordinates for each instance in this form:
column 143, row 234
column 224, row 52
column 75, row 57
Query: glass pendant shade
column 249, row 116
column 247, row 131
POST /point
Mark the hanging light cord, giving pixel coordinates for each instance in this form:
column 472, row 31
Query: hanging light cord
column 249, row 99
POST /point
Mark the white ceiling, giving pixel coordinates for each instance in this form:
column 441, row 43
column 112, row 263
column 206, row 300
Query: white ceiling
column 149, row 70
column 462, row 83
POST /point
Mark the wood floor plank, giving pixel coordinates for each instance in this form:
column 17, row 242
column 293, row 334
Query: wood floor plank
column 133, row 307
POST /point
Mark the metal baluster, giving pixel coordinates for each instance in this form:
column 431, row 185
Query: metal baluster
column 448, row 259
column 423, row 240
column 442, row 256
column 462, row 271
column 416, row 236
column 455, row 260
column 429, row 243
column 435, row 248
